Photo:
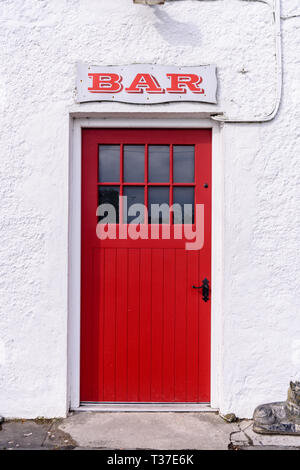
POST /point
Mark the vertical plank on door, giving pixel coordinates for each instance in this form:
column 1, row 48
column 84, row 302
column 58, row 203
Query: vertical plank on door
column 88, row 333
column 133, row 323
column 99, row 270
column 145, row 326
column 121, row 325
column 157, row 323
column 169, row 322
column 204, row 341
column 192, row 350
column 109, row 327
column 180, row 326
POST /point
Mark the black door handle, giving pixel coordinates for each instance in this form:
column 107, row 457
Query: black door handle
column 205, row 289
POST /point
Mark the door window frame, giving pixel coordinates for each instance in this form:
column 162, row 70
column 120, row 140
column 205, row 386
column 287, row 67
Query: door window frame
column 74, row 250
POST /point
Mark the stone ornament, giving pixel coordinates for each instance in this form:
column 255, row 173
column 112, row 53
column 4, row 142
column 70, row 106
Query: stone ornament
column 279, row 417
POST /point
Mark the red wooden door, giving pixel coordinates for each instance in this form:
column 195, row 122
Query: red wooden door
column 145, row 331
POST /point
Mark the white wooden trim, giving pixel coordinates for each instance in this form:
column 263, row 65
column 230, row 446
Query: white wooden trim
column 74, row 266
column 180, row 122
column 217, row 268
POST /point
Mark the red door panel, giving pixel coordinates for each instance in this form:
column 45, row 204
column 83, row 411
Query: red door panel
column 145, row 332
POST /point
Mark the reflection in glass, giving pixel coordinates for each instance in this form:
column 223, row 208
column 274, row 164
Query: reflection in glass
column 135, row 195
column 109, row 163
column 159, row 163
column 109, row 195
column 134, row 167
column 183, row 196
column 183, row 163
column 158, row 195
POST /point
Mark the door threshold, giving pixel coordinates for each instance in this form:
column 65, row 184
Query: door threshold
column 147, row 407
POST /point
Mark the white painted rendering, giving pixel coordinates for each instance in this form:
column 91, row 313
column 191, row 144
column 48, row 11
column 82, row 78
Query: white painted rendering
column 40, row 43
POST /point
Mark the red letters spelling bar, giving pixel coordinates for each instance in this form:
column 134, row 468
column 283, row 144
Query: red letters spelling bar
column 112, row 83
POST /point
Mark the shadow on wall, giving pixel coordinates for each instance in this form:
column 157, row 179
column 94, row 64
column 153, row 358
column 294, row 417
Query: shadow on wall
column 176, row 32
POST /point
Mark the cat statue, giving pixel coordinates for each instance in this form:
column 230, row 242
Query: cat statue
column 279, row 417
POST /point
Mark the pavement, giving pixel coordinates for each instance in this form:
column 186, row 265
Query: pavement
column 120, row 430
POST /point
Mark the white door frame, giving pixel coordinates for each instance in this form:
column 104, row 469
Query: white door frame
column 143, row 121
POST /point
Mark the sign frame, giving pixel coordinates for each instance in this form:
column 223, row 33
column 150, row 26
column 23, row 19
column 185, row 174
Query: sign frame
column 146, row 83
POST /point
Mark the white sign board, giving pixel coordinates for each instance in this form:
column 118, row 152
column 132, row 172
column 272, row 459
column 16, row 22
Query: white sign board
column 145, row 83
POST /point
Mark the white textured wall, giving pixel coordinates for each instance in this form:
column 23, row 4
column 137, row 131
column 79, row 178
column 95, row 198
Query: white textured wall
column 40, row 42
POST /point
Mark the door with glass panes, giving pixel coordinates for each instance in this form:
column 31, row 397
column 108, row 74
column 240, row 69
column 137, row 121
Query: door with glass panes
column 145, row 297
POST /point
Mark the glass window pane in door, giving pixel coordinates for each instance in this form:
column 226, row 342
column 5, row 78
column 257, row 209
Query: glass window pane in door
column 109, row 163
column 183, row 163
column 185, row 198
column 159, row 163
column 135, row 195
column 158, row 195
column 109, row 195
column 134, row 163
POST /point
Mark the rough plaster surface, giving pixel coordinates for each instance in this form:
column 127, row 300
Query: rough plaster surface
column 40, row 42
